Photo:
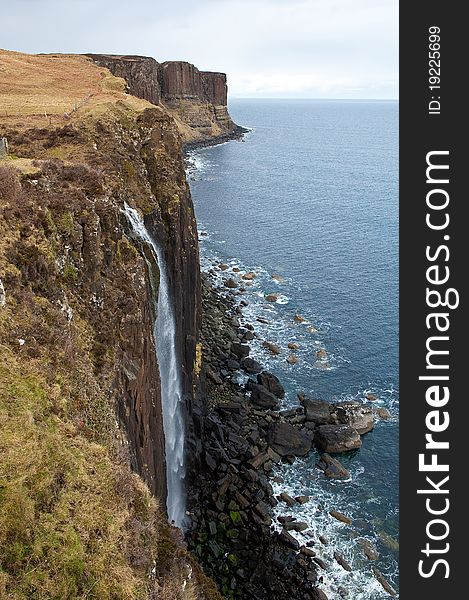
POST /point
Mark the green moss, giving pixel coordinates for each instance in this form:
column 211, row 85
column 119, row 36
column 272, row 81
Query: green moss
column 66, row 223
column 70, row 273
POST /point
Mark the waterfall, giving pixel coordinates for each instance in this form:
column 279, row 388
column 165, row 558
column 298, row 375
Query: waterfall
column 171, row 390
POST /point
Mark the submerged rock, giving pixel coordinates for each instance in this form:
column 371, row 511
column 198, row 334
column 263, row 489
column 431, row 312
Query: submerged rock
column 293, row 345
column 332, row 467
column 337, row 438
column 369, row 549
column 292, row 359
column 383, row 413
column 230, row 283
column 249, row 276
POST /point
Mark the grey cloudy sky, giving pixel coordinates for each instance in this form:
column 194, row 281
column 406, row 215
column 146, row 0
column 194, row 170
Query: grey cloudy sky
column 268, row 48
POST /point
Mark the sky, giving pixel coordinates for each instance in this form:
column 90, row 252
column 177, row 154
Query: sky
column 268, row 48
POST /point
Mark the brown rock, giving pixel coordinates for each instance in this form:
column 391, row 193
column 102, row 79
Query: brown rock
column 381, row 578
column 287, row 499
column 271, row 297
column 302, row 499
column 321, row 354
column 341, row 560
column 355, row 415
column 337, row 438
column 299, row 319
column 249, row 276
column 369, row 549
column 293, row 346
column 292, row 359
column 340, row 517
column 230, row 283
column 273, row 348
column 383, row 413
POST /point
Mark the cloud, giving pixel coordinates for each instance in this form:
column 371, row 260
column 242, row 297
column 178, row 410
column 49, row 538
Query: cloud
column 289, row 48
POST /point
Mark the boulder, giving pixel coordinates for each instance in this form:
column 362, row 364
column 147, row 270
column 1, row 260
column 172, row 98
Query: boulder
column 249, row 276
column 262, row 397
column 369, row 549
column 292, row 359
column 342, row 562
column 337, row 438
column 332, row 467
column 273, row 348
column 240, row 350
column 293, row 345
column 251, row 366
column 230, row 283
column 302, row 499
column 287, row 440
column 340, row 517
column 295, row 526
column 272, row 383
column 318, row 411
column 381, row 578
column 321, row 354
column 356, row 415
column 288, row 540
column 383, row 413
column 271, row 297
column 299, row 319
column 289, row 501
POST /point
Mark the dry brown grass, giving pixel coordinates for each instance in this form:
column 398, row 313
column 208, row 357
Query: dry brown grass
column 55, row 87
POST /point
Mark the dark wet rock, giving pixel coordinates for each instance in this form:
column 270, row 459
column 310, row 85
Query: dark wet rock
column 292, row 359
column 369, row 549
column 318, row 594
column 214, row 377
column 251, row 366
column 293, row 346
column 318, row 411
column 324, row 541
column 337, row 438
column 340, row 517
column 260, row 396
column 271, row 297
column 332, row 467
column 371, row 397
column 223, row 266
column 287, row 499
column 287, row 440
column 288, row 539
column 295, row 526
column 385, row 584
column 302, row 499
column 230, row 283
column 307, row 552
column 272, row 383
column 321, row 354
column 321, row 563
column 240, row 350
column 341, row 560
column 285, row 518
column 355, row 415
column 232, row 364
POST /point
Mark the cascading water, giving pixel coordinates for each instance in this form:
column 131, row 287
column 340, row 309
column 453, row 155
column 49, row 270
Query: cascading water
column 171, row 389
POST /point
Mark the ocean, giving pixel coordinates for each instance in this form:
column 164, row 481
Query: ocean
column 311, row 197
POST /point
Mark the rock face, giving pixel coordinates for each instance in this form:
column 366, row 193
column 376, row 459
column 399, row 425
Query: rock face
column 196, row 99
column 139, row 72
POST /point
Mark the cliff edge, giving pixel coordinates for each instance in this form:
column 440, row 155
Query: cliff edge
column 196, row 99
column 83, row 483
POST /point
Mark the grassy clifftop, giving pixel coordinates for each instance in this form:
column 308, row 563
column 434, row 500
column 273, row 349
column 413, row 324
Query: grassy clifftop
column 75, row 521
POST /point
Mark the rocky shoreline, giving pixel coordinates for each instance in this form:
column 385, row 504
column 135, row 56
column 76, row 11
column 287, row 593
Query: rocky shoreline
column 236, row 134
column 245, row 434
